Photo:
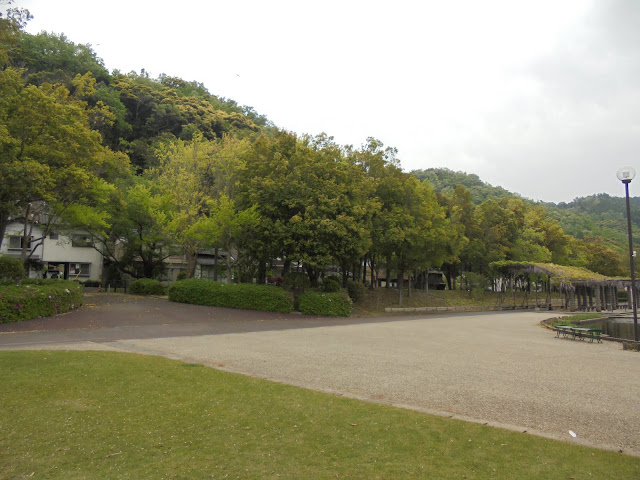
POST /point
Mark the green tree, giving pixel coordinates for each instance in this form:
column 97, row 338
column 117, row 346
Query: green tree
column 49, row 154
column 197, row 175
column 135, row 230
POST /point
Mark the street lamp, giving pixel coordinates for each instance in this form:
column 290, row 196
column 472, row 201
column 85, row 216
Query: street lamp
column 625, row 175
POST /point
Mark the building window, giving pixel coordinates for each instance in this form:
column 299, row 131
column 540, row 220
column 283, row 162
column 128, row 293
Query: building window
column 17, row 242
column 81, row 240
column 53, row 236
column 79, row 270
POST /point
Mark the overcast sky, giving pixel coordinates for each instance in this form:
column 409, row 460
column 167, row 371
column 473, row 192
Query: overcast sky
column 540, row 97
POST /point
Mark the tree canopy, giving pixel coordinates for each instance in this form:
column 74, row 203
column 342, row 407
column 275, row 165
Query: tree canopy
column 156, row 167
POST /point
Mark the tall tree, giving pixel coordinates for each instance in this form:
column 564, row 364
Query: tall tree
column 201, row 177
column 48, row 151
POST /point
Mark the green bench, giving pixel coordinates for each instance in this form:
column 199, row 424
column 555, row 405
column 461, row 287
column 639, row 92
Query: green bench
column 578, row 332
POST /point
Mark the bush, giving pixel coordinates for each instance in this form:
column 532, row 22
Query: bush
column 92, row 283
column 181, row 276
column 36, row 299
column 232, row 295
column 296, row 281
column 11, row 269
column 146, row 286
column 356, row 290
column 328, row 304
column 331, row 284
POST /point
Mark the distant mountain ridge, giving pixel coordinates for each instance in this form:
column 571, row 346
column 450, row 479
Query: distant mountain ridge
column 595, row 216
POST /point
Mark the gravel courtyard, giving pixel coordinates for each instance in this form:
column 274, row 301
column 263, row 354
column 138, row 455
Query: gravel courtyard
column 502, row 369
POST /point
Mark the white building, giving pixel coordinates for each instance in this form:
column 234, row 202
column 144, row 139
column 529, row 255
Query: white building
column 70, row 256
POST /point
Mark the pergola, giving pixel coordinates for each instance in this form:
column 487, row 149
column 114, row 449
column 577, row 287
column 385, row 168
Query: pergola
column 583, row 289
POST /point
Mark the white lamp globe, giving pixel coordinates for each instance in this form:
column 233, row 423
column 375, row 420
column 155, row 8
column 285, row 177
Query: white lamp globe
column 626, row 174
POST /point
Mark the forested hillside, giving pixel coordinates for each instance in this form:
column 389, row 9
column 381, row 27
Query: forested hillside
column 598, row 220
column 599, row 216
column 155, row 167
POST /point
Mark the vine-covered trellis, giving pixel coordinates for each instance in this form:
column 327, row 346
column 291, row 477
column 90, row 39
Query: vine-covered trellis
column 581, row 289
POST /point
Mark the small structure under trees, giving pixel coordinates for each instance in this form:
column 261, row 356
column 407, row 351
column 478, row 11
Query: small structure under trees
column 583, row 289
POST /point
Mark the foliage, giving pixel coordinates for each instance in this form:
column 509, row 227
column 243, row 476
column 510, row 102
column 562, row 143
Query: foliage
column 240, row 295
column 477, row 284
column 296, row 281
column 38, row 299
column 331, row 283
column 216, row 175
column 334, row 304
column 146, row 286
column 11, row 270
column 356, row 290
column 136, row 239
column 61, row 162
column 446, row 181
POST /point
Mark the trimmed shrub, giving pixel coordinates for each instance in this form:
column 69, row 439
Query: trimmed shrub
column 35, row 299
column 146, row 286
column 331, row 284
column 11, row 269
column 232, row 295
column 91, row 283
column 356, row 290
column 327, row 304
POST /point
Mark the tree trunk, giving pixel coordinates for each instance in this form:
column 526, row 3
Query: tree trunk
column 388, row 285
column 228, row 248
column 262, row 272
column 24, row 243
column 4, row 221
column 191, row 256
column 215, row 264
column 373, row 276
column 312, row 273
column 400, row 282
column 364, row 270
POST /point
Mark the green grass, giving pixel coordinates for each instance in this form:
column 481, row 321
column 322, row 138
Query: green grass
column 584, row 316
column 377, row 299
column 87, row 415
column 574, row 320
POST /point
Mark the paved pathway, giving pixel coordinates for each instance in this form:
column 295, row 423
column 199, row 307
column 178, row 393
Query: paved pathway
column 497, row 368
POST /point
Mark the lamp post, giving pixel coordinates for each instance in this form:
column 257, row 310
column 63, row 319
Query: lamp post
column 625, row 175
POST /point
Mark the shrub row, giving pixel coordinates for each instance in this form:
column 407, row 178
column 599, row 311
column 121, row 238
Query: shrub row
column 146, row 286
column 232, row 295
column 35, row 299
column 329, row 304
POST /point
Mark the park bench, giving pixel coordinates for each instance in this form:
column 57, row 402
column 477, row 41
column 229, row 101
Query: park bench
column 578, row 332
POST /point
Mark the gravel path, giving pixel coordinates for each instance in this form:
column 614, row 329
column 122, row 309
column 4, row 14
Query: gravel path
column 497, row 368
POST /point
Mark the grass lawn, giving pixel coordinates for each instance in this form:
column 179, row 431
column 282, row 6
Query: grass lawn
column 377, row 299
column 97, row 415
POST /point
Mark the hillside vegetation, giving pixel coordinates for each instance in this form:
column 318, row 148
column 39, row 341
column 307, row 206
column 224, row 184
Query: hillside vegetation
column 154, row 167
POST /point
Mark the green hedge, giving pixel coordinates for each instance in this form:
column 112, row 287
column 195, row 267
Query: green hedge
column 146, row 286
column 35, row 299
column 11, row 270
column 328, row 304
column 232, row 295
